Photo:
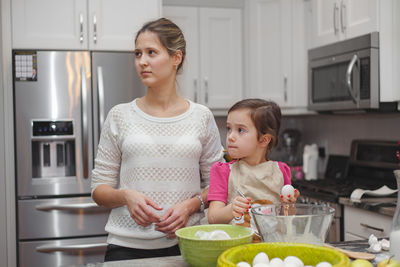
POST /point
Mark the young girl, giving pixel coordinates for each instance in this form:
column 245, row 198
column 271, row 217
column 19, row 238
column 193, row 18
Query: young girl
column 252, row 131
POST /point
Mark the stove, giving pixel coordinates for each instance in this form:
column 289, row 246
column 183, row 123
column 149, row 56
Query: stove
column 370, row 166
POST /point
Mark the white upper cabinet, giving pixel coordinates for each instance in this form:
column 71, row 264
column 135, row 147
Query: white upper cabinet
column 80, row 24
column 277, row 62
column 212, row 72
column 335, row 20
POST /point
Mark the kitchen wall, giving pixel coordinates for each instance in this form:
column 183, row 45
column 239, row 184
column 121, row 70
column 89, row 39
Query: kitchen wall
column 335, row 132
column 3, row 222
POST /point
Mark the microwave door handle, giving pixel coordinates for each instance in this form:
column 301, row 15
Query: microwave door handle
column 84, row 120
column 348, row 78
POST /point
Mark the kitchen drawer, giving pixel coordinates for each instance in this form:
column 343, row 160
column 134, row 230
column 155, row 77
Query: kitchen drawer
column 65, row 252
column 363, row 223
column 61, row 217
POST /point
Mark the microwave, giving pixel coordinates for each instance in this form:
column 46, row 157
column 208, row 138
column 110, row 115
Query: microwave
column 345, row 75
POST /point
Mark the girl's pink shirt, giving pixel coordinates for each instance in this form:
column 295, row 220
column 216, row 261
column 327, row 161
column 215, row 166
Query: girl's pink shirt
column 219, row 179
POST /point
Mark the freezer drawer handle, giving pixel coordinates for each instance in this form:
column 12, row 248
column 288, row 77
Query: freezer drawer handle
column 51, row 248
column 72, row 206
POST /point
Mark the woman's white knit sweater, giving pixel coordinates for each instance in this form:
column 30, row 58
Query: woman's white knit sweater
column 160, row 157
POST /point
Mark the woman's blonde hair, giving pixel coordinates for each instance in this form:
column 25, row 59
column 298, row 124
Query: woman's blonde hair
column 169, row 34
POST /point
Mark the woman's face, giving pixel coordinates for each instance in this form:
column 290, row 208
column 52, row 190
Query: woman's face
column 153, row 64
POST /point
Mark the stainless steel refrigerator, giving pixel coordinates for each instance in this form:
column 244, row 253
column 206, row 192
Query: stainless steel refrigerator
column 61, row 99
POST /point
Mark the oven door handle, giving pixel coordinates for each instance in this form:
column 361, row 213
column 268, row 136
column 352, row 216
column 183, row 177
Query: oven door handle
column 353, row 94
column 372, row 227
column 70, row 206
column 77, row 247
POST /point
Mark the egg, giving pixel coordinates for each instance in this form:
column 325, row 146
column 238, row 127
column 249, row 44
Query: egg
column 293, row 260
column 219, row 235
column 287, row 190
column 261, row 265
column 261, row 257
column 242, row 264
column 276, row 262
column 323, row 264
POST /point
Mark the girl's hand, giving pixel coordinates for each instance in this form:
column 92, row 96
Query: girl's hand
column 174, row 218
column 240, row 205
column 290, row 199
column 140, row 208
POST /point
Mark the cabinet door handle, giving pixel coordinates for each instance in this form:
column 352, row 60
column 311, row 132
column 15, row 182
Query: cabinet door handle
column 285, row 81
column 206, row 89
column 372, row 227
column 335, row 19
column 343, row 17
column 81, row 28
column 94, row 29
column 195, row 89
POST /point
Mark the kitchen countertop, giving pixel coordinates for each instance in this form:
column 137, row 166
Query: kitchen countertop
column 385, row 206
column 177, row 261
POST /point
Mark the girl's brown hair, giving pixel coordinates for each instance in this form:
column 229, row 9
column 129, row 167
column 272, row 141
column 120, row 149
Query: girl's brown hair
column 266, row 116
column 170, row 35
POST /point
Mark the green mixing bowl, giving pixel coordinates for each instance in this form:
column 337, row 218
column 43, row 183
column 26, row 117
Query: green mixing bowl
column 204, row 253
column 309, row 254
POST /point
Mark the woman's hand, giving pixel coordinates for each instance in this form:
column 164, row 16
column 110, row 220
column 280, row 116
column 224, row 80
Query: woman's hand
column 240, row 205
column 174, row 218
column 140, row 208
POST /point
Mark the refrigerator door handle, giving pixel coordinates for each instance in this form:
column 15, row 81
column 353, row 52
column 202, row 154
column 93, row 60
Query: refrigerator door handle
column 100, row 92
column 55, row 248
column 84, row 113
column 70, row 206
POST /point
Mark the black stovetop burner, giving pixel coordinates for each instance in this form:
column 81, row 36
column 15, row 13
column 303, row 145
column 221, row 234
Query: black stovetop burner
column 370, row 166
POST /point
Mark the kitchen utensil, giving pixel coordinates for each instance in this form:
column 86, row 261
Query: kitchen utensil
column 203, row 253
column 305, row 223
column 353, row 254
column 309, row 254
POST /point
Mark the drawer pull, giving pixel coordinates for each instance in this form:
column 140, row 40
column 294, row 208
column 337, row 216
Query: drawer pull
column 72, row 206
column 77, row 247
column 372, row 227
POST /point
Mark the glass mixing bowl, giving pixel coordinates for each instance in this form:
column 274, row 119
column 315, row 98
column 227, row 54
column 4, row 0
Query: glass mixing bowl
column 300, row 223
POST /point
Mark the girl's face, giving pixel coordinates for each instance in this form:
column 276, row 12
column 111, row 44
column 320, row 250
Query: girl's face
column 153, row 64
column 241, row 139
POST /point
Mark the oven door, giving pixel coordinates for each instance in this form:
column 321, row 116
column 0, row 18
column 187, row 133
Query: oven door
column 345, row 82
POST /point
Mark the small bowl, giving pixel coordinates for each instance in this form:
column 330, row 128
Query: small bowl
column 309, row 254
column 300, row 223
column 203, row 253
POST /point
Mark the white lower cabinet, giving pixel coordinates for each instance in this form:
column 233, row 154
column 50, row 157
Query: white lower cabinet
column 360, row 224
column 212, row 72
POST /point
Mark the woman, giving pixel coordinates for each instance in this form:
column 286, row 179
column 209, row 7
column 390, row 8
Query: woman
column 155, row 154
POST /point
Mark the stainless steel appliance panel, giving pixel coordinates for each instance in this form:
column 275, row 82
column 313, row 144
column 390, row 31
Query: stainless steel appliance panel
column 60, row 217
column 115, row 81
column 66, row 252
column 62, row 92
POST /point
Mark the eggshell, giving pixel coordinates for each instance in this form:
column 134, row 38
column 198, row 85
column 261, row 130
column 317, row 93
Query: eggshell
column 261, row 257
column 293, row 260
column 276, row 262
column 385, row 244
column 287, row 190
column 323, row 264
column 372, row 239
column 242, row 264
column 261, row 265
